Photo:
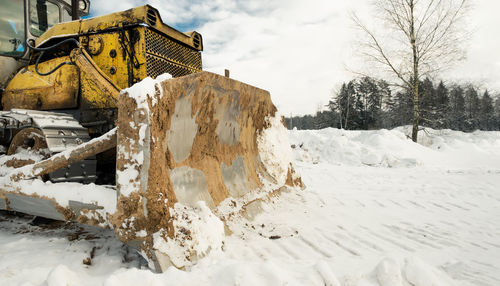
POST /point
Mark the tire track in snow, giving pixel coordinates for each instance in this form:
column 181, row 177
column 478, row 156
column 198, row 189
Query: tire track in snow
column 315, row 247
column 398, row 204
column 492, row 244
column 361, row 240
column 340, row 245
column 258, row 252
column 475, row 276
column 408, row 235
column 442, row 207
column 291, row 251
column 391, row 241
column 379, row 204
column 458, row 206
column 444, row 240
column 417, row 204
column 273, row 247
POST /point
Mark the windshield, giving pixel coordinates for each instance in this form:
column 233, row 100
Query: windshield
column 43, row 15
column 12, row 32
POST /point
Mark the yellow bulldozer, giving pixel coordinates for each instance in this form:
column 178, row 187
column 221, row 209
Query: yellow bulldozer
column 111, row 121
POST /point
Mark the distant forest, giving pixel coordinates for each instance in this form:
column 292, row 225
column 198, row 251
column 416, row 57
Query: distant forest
column 366, row 103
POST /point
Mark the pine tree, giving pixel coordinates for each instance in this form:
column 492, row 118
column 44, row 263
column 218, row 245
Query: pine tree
column 324, row 119
column 387, row 105
column 359, row 112
column 497, row 114
column 374, row 104
column 486, row 112
column 307, row 122
column 457, row 109
column 427, row 104
column 363, row 87
column 344, row 104
column 366, row 98
column 403, row 107
column 471, row 108
column 441, row 106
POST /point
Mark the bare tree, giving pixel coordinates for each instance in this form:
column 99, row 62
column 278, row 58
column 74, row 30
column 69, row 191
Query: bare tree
column 423, row 37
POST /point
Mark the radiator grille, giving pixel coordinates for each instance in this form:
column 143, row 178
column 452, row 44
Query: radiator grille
column 164, row 55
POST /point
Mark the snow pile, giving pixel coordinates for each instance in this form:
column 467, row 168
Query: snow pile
column 479, row 149
column 419, row 273
column 62, row 276
column 197, row 231
column 145, row 89
column 8, row 162
column 385, row 148
column 274, row 149
column 413, row 272
column 394, row 148
column 388, row 273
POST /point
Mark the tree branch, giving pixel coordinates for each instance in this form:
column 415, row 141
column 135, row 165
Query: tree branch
column 380, row 50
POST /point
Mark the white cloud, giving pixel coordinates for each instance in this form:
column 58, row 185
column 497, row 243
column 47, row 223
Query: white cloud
column 102, row 7
column 298, row 49
column 483, row 57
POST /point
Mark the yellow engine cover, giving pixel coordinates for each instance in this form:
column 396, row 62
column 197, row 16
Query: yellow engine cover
column 29, row 90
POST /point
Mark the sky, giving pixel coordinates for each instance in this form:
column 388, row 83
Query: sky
column 301, row 51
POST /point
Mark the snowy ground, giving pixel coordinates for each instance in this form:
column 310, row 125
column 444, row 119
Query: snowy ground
column 378, row 210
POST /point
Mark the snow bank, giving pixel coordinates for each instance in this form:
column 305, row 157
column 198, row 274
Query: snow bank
column 419, row 273
column 394, row 148
column 197, row 231
column 61, row 275
column 389, row 273
column 341, row 147
column 274, row 149
column 401, row 271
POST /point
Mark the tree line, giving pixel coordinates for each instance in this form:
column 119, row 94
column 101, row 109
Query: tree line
column 366, row 103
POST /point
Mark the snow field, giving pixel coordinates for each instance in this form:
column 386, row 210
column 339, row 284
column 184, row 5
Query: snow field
column 378, row 210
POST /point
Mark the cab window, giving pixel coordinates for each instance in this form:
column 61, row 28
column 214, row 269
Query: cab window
column 12, row 32
column 66, row 16
column 43, row 15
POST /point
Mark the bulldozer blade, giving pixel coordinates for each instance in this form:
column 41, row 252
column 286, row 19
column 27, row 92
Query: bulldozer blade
column 20, row 191
column 192, row 152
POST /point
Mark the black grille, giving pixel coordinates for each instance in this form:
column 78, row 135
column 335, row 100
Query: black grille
column 196, row 40
column 156, row 66
column 165, row 55
column 151, row 17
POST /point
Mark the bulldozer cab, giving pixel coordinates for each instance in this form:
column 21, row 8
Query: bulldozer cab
column 21, row 20
column 25, row 19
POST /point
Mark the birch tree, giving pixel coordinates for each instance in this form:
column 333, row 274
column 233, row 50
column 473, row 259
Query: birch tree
column 422, row 37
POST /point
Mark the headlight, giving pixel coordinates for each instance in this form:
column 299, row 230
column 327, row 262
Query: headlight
column 82, row 5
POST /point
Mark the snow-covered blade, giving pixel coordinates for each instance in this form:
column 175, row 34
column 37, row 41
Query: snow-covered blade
column 201, row 137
